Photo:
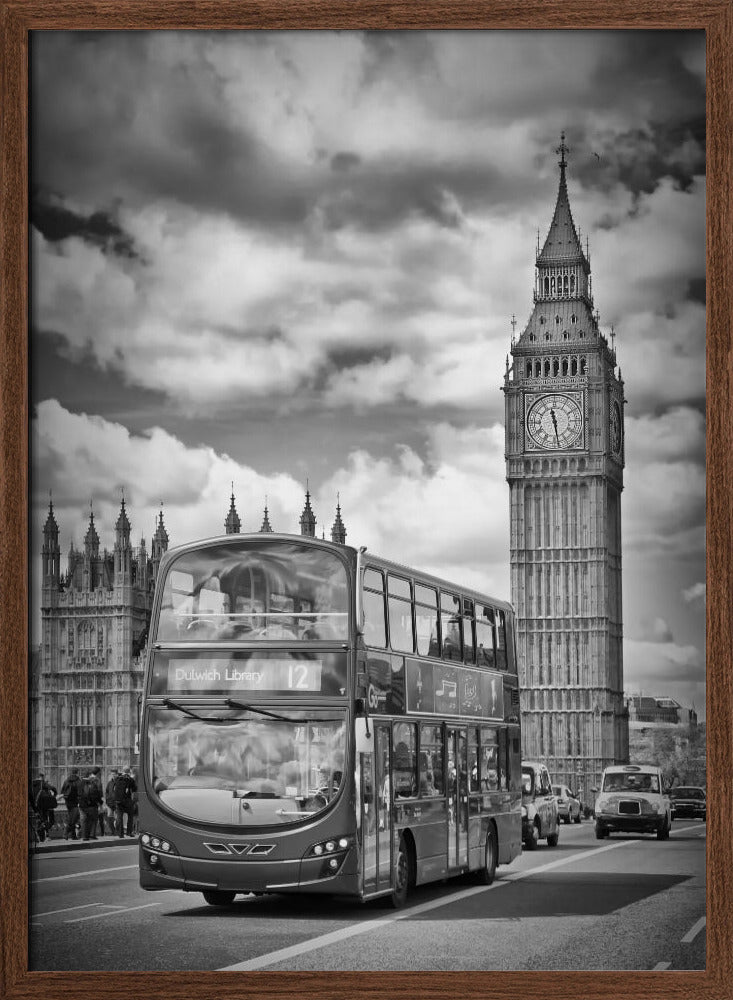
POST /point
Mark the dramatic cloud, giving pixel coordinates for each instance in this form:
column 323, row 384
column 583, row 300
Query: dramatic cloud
column 266, row 257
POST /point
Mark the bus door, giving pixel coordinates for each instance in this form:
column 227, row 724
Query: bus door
column 376, row 820
column 457, row 759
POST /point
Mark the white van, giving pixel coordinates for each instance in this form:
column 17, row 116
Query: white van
column 633, row 799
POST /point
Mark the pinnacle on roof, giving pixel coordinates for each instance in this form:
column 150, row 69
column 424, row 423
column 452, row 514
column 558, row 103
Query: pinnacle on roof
column 50, row 525
column 122, row 525
column 232, row 524
column 562, row 244
column 91, row 539
column 338, row 531
column 161, row 535
column 266, row 526
column 308, row 518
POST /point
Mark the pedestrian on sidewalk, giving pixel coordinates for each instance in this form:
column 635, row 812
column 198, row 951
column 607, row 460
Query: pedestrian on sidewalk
column 124, row 790
column 89, row 799
column 70, row 792
column 97, row 778
column 109, row 798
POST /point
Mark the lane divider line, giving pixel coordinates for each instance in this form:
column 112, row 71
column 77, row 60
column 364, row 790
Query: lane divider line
column 114, row 913
column 95, row 871
column 366, row 926
column 694, row 931
column 68, row 909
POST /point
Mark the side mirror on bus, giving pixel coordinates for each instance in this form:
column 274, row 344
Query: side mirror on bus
column 364, row 735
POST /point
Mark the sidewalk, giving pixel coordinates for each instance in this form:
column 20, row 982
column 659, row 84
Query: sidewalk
column 59, row 844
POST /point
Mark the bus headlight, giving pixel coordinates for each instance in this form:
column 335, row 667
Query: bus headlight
column 335, row 845
column 152, row 843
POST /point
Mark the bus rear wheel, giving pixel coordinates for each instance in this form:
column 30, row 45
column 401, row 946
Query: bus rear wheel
column 219, row 897
column 487, row 873
column 398, row 897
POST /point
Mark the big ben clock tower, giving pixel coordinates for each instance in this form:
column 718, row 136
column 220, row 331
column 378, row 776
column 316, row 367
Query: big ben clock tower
column 564, row 402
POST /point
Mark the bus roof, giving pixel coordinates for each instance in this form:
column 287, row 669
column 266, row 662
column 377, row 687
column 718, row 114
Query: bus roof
column 350, row 550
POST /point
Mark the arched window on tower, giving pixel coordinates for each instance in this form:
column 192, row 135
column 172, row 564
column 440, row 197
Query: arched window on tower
column 574, row 366
column 565, row 284
column 557, row 321
column 582, row 366
column 547, row 367
column 547, row 286
column 537, row 367
column 552, row 285
column 564, row 366
column 529, row 369
column 572, row 284
column 555, row 367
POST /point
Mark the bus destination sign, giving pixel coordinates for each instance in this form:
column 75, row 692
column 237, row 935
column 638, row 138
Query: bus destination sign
column 199, row 675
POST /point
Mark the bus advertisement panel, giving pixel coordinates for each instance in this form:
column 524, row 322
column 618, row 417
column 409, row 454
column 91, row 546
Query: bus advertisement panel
column 299, row 733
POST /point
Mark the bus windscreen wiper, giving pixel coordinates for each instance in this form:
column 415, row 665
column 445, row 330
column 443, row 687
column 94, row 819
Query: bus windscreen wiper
column 194, row 715
column 230, row 703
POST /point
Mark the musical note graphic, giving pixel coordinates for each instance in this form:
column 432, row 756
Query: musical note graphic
column 448, row 687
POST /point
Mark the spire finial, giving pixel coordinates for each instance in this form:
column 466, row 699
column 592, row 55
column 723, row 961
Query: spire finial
column 562, row 149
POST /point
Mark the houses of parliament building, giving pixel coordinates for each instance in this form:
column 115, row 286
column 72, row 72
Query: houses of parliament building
column 87, row 677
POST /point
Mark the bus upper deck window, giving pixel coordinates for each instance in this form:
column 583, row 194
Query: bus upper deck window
column 486, row 656
column 501, row 661
column 450, row 627
column 469, row 638
column 375, row 629
column 426, row 621
column 399, row 602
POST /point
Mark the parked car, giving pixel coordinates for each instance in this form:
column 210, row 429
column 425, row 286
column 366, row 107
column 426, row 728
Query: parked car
column 539, row 806
column 568, row 806
column 633, row 799
column 688, row 800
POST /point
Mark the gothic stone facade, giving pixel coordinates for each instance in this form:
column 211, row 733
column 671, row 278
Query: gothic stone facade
column 564, row 402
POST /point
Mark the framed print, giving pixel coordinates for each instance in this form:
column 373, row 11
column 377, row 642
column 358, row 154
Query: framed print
column 364, row 579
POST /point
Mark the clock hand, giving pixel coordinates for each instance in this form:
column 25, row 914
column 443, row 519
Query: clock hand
column 554, row 424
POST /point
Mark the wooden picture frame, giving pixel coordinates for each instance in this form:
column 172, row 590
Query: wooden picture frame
column 19, row 17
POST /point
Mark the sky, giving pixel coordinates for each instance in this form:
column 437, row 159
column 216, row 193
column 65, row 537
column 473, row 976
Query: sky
column 271, row 261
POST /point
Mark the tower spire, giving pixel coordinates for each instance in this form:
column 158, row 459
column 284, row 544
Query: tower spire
column 232, row 524
column 308, row 518
column 266, row 526
column 338, row 531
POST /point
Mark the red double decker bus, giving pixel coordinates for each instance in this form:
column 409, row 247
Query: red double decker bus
column 318, row 719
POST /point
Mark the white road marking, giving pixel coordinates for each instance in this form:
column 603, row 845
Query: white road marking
column 661, row 966
column 94, row 871
column 114, row 913
column 694, row 931
column 324, row 940
column 68, row 909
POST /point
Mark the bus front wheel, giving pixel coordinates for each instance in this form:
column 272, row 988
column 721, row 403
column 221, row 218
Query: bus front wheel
column 219, row 897
column 487, row 873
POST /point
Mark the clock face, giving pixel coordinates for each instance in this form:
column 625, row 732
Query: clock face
column 555, row 422
column 616, row 434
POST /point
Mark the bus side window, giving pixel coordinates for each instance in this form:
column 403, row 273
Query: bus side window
column 485, row 636
column 489, row 760
column 502, row 755
column 469, row 638
column 399, row 602
column 473, row 760
column 500, row 641
column 426, row 621
column 404, row 759
column 431, row 760
column 375, row 630
column 450, row 627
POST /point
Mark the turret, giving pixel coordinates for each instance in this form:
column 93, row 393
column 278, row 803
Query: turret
column 232, row 524
column 308, row 518
column 51, row 550
column 338, row 531
column 266, row 526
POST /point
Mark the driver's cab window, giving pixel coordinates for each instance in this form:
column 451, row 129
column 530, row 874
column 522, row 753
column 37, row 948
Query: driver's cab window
column 545, row 786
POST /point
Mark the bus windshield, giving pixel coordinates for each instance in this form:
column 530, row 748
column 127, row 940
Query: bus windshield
column 243, row 768
column 275, row 590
